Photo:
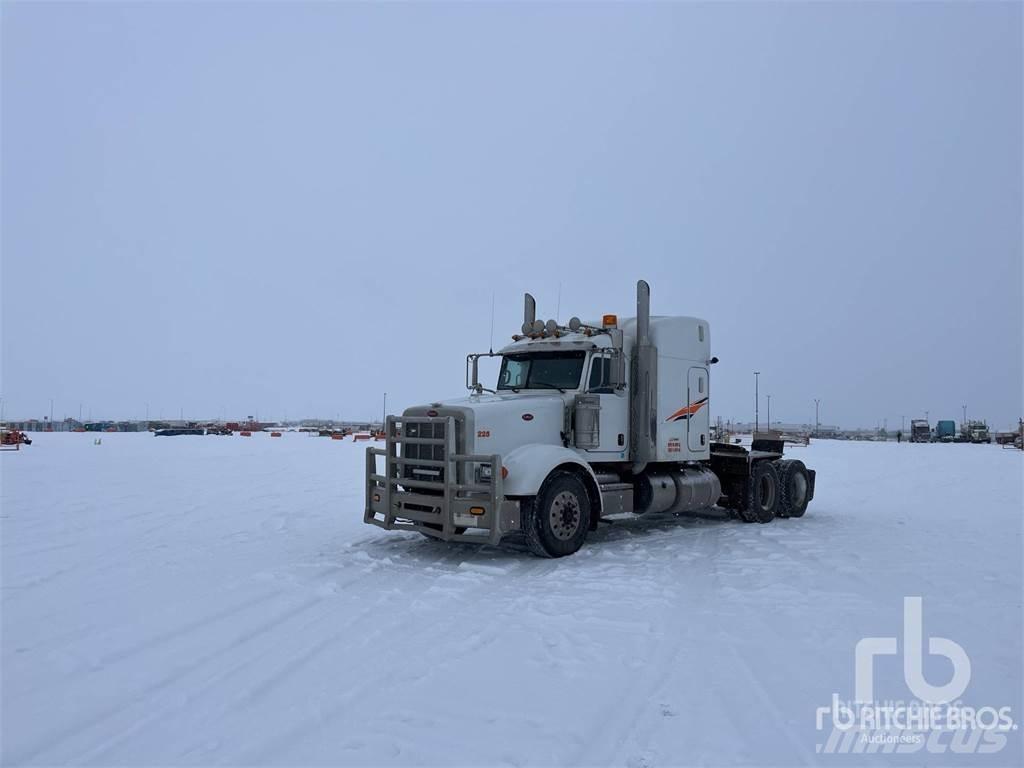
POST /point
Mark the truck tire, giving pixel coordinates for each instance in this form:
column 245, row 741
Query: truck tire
column 761, row 497
column 557, row 519
column 794, row 488
column 781, row 466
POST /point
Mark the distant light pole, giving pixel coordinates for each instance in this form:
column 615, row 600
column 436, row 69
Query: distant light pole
column 817, row 423
column 756, row 400
column 965, row 415
column 384, row 414
column 769, row 412
column 926, row 417
column 51, row 410
column 903, row 423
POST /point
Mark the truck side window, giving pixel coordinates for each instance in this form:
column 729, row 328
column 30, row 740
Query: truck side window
column 700, row 332
column 600, row 376
column 700, row 384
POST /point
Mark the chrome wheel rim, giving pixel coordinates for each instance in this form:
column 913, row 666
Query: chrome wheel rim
column 564, row 515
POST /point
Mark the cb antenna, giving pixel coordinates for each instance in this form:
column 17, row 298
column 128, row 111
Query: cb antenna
column 491, row 346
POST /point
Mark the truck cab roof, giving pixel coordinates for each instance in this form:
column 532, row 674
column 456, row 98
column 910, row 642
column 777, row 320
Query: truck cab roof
column 676, row 336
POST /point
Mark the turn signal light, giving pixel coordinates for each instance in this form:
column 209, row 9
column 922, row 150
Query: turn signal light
column 476, row 510
column 504, row 472
column 610, row 321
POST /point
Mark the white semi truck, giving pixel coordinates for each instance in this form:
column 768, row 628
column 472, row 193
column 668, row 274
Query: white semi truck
column 588, row 421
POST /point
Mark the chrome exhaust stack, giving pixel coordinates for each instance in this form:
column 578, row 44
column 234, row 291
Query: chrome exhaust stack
column 643, row 404
column 643, row 313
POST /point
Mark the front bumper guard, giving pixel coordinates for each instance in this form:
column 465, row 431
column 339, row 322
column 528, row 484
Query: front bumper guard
column 445, row 509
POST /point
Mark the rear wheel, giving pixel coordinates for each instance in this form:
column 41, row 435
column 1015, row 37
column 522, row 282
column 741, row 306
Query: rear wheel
column 761, row 496
column 794, row 488
column 556, row 520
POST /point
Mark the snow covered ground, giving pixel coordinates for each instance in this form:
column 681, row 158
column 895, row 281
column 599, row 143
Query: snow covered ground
column 218, row 600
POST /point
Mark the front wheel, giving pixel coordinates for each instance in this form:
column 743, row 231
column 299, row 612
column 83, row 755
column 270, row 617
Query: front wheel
column 557, row 519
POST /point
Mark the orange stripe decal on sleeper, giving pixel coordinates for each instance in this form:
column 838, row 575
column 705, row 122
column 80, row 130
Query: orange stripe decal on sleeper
column 688, row 410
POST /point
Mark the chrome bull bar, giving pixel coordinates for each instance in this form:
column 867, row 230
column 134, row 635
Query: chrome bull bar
column 446, row 509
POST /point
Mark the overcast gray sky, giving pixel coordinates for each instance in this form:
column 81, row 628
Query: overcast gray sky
column 293, row 208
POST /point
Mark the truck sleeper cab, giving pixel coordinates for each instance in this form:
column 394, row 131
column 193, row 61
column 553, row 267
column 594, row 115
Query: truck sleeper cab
column 587, row 421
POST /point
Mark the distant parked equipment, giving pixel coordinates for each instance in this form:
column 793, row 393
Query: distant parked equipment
column 245, row 426
column 175, row 431
column 1005, row 438
column 13, row 439
column 975, row 432
column 920, row 432
column 945, row 431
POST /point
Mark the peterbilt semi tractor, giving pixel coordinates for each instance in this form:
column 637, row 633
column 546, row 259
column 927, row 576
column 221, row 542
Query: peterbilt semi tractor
column 587, row 422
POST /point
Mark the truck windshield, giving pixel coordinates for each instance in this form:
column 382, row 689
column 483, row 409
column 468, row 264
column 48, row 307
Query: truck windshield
column 541, row 370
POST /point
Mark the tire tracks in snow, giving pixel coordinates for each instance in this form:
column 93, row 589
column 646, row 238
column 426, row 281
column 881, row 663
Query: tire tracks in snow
column 637, row 706
column 470, row 582
column 97, row 719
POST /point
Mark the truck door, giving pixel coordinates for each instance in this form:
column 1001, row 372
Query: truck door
column 697, row 406
column 614, row 418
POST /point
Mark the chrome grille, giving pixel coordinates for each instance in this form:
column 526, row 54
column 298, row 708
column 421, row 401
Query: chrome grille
column 434, row 430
